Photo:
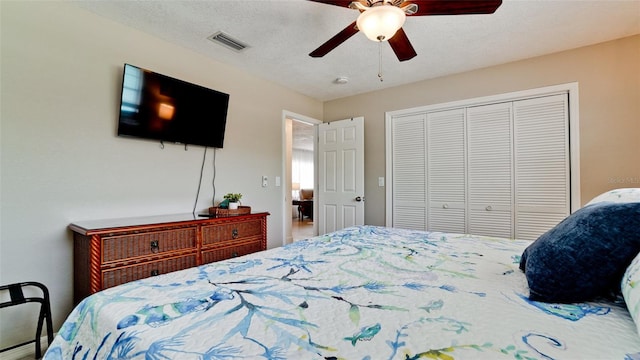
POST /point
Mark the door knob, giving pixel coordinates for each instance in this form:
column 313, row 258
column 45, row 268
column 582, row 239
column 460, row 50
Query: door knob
column 358, row 198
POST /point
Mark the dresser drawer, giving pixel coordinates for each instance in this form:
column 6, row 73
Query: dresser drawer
column 212, row 234
column 125, row 274
column 122, row 247
column 228, row 252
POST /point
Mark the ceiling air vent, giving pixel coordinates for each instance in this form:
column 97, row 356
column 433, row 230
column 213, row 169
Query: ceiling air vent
column 227, row 41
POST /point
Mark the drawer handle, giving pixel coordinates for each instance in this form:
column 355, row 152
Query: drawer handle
column 235, row 254
column 155, row 272
column 234, row 233
column 445, row 206
column 489, row 208
column 155, row 246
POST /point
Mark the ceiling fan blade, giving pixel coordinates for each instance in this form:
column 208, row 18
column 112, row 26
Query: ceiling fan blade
column 457, row 7
column 402, row 46
column 338, row 39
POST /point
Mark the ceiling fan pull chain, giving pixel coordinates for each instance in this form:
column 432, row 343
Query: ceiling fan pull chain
column 380, row 61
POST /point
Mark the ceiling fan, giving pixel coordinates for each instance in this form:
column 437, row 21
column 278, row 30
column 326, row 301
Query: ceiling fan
column 382, row 20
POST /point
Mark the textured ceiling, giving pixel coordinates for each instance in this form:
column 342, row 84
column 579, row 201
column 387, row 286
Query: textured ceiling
column 281, row 33
column 303, row 135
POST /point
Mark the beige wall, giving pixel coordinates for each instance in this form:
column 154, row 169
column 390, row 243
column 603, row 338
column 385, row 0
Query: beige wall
column 62, row 162
column 609, row 88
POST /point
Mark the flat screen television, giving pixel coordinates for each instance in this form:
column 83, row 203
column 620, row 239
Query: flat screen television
column 159, row 107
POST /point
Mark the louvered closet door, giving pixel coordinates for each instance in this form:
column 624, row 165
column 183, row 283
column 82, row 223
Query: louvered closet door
column 542, row 164
column 446, row 171
column 489, row 170
column 409, row 172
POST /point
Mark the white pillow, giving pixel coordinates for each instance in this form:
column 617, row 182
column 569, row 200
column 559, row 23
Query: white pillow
column 618, row 196
column 630, row 287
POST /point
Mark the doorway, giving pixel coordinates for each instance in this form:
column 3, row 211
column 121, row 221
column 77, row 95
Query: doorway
column 300, row 178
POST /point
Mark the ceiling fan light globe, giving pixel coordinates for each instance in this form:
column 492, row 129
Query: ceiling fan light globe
column 380, row 23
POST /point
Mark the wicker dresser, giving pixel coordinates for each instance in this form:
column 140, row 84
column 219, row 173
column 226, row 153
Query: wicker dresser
column 112, row 252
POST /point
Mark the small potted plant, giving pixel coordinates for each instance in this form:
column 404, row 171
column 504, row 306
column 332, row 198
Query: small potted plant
column 233, row 200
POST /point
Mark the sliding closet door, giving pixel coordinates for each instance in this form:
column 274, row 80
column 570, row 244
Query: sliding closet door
column 499, row 167
column 409, row 172
column 490, row 170
column 446, row 171
column 542, row 181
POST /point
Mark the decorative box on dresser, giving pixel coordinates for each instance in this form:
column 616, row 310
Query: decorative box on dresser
column 112, row 252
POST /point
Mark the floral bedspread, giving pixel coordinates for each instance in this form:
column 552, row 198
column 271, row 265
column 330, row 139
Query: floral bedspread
column 360, row 293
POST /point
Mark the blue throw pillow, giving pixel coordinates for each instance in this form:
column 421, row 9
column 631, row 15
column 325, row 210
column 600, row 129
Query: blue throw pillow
column 585, row 255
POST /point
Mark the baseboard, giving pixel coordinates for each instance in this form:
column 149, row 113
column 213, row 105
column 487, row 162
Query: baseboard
column 24, row 351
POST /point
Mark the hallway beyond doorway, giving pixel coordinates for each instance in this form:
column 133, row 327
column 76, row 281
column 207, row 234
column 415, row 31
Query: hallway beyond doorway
column 301, row 229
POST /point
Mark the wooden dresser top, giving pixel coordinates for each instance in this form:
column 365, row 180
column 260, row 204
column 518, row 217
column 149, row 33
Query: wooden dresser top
column 89, row 227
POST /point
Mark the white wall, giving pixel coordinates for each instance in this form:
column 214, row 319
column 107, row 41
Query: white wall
column 61, row 160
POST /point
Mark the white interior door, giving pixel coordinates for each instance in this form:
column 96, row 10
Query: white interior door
column 340, row 200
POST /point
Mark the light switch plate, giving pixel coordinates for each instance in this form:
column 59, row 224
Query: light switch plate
column 265, row 181
column 380, row 181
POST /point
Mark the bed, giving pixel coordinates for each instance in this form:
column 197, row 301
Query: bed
column 364, row 292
